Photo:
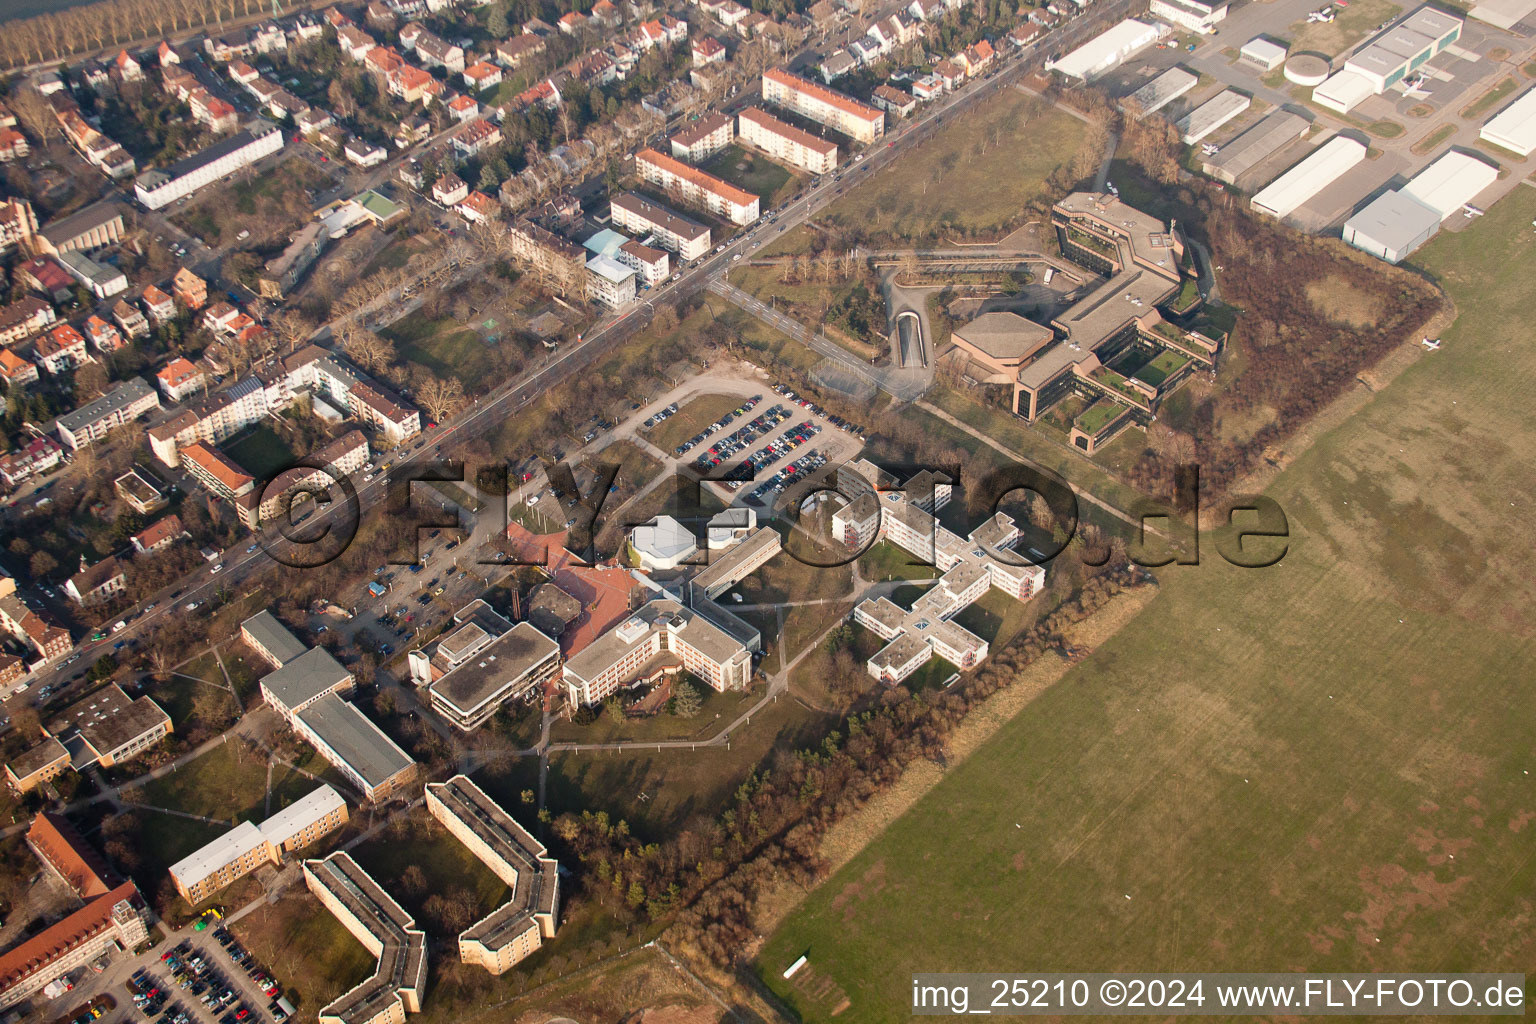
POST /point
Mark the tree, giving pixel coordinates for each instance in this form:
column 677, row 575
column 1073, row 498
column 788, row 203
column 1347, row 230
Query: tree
column 41, row 564
column 367, row 349
column 528, row 796
column 440, row 396
column 613, row 710
column 686, row 702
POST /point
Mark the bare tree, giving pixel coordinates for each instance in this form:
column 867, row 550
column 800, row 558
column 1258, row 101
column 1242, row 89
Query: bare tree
column 440, row 396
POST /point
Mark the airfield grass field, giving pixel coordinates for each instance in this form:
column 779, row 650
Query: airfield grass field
column 1323, row 765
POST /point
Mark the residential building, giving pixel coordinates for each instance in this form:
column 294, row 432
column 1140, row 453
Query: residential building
column 16, row 371
column 707, row 50
column 61, row 350
column 158, row 306
column 717, row 196
column 218, row 472
column 346, row 455
column 893, row 100
column 787, row 143
column 609, row 282
column 284, row 271
column 97, row 584
column 449, row 189
column 671, row 230
column 13, row 146
column 841, row 113
column 703, row 138
column 46, row 276
column 24, row 318
column 399, row 980
column 189, row 289
column 483, row 664
column 158, row 535
column 179, row 379
column 556, row 263
column 158, row 188
column 116, row 919
column 126, row 402
column 517, row 928
column 652, row 265
column 130, row 320
column 247, row 847
column 663, row 637
column 140, row 492
column 102, row 335
column 38, row 455
column 519, row 48
column 482, row 75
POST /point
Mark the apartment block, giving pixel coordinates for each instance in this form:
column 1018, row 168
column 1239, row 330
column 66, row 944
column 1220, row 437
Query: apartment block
column 786, row 143
column 399, row 980
column 671, row 230
column 716, row 195
column 557, row 263
column 247, row 847
column 517, row 928
column 160, row 187
column 703, row 138
column 858, row 121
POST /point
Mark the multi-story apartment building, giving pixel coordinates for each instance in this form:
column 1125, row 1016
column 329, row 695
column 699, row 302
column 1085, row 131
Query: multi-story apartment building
column 703, row 138
column 610, row 282
column 97, row 584
column 24, row 318
column 125, row 403
column 116, row 919
column 483, row 664
column 130, row 320
column 660, row 638
column 557, row 263
column 671, row 230
column 399, row 979
column 652, row 265
column 346, row 455
column 160, row 187
column 786, row 143
column 216, row 471
column 179, row 378
column 158, row 306
column 247, row 846
column 189, row 289
column 517, row 928
column 36, row 456
column 716, row 195
column 858, row 121
column 61, row 349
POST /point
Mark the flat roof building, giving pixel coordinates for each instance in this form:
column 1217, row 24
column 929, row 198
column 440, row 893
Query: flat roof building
column 518, row 927
column 1276, row 131
column 1211, row 115
column 474, row 672
column 246, row 847
column 1107, row 50
column 999, row 344
column 660, row 638
column 1162, row 90
column 1325, row 165
column 1396, row 223
column 1514, row 128
column 107, row 727
column 663, row 543
column 1393, row 54
column 271, row 639
column 160, row 187
column 399, row 980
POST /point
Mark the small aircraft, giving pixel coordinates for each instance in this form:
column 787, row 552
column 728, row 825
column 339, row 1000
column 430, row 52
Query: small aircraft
column 1469, row 211
column 1209, row 148
column 1433, row 344
column 1324, row 16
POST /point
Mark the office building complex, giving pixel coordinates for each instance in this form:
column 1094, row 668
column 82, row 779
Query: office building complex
column 482, row 664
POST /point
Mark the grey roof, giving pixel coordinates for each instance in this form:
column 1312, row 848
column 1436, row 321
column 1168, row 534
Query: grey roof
column 1264, row 139
column 273, row 636
column 508, row 659
column 1004, row 335
column 78, row 223
column 356, row 740
column 153, row 179
column 728, row 567
column 132, row 390
column 306, row 677
column 608, row 649
column 1395, row 221
column 659, row 215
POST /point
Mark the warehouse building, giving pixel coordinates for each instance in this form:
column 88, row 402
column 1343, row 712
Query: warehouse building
column 1387, row 59
column 1195, row 15
column 1514, row 128
column 1396, row 223
column 517, row 928
column 1211, row 115
column 1326, row 164
column 1108, row 50
column 1162, row 90
column 1255, row 145
column 1262, row 53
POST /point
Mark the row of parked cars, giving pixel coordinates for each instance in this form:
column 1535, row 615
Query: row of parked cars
column 664, row 414
column 740, row 438
column 787, row 477
column 781, row 446
column 805, row 403
column 719, row 424
column 241, row 957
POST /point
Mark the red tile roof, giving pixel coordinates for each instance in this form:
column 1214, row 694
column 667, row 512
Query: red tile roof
column 55, row 840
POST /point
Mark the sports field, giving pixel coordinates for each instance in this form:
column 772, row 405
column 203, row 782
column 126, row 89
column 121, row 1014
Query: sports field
column 1323, row 765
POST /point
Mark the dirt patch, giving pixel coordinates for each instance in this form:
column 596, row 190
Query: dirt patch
column 1337, row 300
column 854, row 893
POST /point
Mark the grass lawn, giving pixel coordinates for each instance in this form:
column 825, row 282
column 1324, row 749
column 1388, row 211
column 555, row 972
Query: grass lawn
column 229, row 783
column 442, row 346
column 886, row 561
column 755, row 173
column 718, row 709
column 310, row 952
column 1310, row 764
column 1431, row 142
column 975, row 175
column 1352, row 24
column 260, row 452
column 446, row 862
column 187, row 700
column 1487, row 101
column 691, row 417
